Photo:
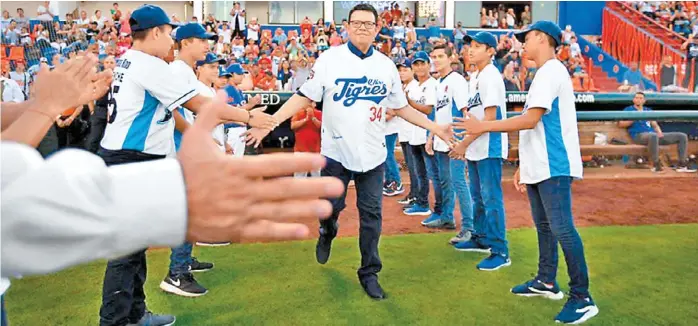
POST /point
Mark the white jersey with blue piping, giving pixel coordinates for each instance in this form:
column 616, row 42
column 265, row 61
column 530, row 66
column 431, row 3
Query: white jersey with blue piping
column 487, row 90
column 355, row 89
column 451, row 99
column 425, row 94
column 143, row 94
column 551, row 148
column 185, row 72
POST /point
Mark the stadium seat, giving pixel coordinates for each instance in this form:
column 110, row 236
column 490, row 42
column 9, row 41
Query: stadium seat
column 16, row 54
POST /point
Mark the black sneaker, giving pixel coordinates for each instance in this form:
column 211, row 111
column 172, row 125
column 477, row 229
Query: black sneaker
column 197, row 266
column 183, row 285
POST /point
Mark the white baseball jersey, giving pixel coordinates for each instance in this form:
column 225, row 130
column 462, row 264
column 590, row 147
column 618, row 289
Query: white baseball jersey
column 425, row 94
column 487, row 90
column 186, row 73
column 355, row 90
column 404, row 128
column 551, row 149
column 143, row 94
column 218, row 132
column 451, row 99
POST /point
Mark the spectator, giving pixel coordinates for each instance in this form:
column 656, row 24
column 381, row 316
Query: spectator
column 237, row 22
column 5, row 22
column 11, row 92
column 667, row 73
column 511, row 80
column 22, row 78
column 301, row 74
column 691, row 48
column 253, row 30
column 335, row 39
column 567, row 34
column 649, row 133
column 279, row 36
column 43, row 12
column 225, row 33
column 22, row 21
column 632, row 80
column 647, row 9
column 238, row 49
column 680, row 23
column 458, row 33
column 321, row 40
column 99, row 19
column 575, row 50
column 11, row 34
column 115, row 12
column 283, row 76
column 511, row 18
column 83, row 22
column 398, row 53
column 344, row 33
column 526, row 16
column 410, row 32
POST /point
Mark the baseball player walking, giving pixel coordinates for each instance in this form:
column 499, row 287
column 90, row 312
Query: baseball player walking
column 550, row 159
column 143, row 94
column 356, row 84
column 485, row 155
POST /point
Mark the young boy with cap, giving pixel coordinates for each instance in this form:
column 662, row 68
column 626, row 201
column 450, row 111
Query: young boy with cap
column 550, row 159
column 421, row 95
column 234, row 131
column 144, row 92
column 485, row 154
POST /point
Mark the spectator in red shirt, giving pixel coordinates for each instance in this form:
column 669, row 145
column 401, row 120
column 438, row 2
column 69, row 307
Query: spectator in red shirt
column 306, row 25
column 306, row 125
column 396, row 13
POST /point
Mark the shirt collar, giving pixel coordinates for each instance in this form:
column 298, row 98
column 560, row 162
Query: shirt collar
column 354, row 50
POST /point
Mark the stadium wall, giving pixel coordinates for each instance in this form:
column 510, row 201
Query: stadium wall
column 583, row 16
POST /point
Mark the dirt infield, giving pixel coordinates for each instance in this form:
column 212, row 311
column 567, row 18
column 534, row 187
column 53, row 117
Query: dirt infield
column 595, row 202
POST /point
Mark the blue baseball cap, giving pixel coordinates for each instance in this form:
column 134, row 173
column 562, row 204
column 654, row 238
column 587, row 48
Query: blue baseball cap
column 421, row 56
column 485, row 38
column 194, row 30
column 211, row 58
column 549, row 28
column 223, row 73
column 405, row 63
column 236, row 69
column 149, row 16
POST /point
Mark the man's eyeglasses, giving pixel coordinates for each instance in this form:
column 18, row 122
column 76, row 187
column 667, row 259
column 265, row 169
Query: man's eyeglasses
column 358, row 23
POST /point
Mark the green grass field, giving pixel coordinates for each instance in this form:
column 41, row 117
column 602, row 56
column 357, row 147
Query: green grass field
column 640, row 276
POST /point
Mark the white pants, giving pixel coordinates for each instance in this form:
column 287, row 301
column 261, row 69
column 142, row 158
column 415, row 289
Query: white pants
column 236, row 142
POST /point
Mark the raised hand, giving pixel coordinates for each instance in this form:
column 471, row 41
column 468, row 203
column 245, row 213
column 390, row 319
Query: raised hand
column 230, row 199
column 64, row 87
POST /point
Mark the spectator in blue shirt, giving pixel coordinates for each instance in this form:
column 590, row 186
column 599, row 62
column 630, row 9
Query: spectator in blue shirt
column 649, row 133
column 632, row 80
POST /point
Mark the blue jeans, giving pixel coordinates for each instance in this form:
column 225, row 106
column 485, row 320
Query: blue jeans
column 433, row 174
column 462, row 191
column 551, row 207
column 443, row 169
column 3, row 318
column 180, row 259
column 488, row 204
column 419, row 181
column 392, row 171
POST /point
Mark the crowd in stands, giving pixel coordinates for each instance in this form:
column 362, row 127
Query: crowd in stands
column 678, row 16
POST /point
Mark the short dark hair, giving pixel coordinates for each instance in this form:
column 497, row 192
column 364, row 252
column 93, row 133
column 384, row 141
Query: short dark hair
column 18, row 9
column 364, row 7
column 640, row 93
column 115, row 4
column 140, row 35
column 96, row 11
column 446, row 49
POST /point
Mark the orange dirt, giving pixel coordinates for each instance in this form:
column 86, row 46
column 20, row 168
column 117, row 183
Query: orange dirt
column 644, row 199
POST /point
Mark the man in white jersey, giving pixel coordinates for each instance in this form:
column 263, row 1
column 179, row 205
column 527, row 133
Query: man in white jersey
column 485, row 155
column 451, row 101
column 355, row 84
column 144, row 92
column 421, row 95
column 550, row 159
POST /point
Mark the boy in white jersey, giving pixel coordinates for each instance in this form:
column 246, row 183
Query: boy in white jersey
column 143, row 94
column 421, row 95
column 550, row 159
column 451, row 101
column 355, row 83
column 485, row 155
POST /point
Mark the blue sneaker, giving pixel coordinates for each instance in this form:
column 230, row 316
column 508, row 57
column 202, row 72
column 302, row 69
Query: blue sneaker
column 417, row 210
column 536, row 288
column 577, row 310
column 494, row 262
column 471, row 246
column 431, row 219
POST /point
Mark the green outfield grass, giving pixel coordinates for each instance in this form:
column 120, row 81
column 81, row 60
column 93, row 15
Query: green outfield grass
column 640, row 276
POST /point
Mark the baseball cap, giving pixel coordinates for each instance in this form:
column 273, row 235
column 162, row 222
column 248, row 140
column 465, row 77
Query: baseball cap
column 149, row 16
column 223, row 73
column 421, row 56
column 194, row 30
column 549, row 28
column 236, row 69
column 485, row 38
column 264, row 60
column 211, row 58
column 406, row 63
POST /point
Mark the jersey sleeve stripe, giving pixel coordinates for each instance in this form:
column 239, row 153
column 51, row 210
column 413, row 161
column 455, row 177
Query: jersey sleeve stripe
column 181, row 100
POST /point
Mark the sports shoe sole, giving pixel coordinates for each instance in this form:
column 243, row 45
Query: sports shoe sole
column 425, row 213
column 484, row 251
column 203, row 244
column 393, row 193
column 593, row 311
column 544, row 294
column 507, row 264
column 169, row 288
column 200, row 270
